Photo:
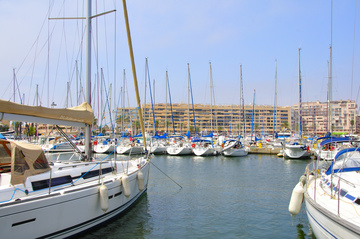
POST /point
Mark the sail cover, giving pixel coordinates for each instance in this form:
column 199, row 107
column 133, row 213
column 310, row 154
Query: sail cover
column 76, row 116
column 22, row 160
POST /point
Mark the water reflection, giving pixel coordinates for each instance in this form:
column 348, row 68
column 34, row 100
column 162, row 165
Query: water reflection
column 302, row 234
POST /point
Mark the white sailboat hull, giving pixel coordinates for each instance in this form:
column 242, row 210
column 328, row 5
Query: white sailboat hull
column 179, row 150
column 232, row 152
column 67, row 211
column 296, row 152
column 200, row 151
column 323, row 215
column 57, row 148
column 129, row 150
column 158, row 149
column 104, row 148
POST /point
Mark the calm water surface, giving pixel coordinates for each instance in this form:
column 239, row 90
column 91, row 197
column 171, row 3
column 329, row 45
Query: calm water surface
column 243, row 197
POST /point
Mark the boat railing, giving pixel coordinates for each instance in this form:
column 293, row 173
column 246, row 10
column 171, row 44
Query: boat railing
column 314, row 170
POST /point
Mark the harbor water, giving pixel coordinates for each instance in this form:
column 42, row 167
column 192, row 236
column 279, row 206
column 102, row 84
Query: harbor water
column 241, row 197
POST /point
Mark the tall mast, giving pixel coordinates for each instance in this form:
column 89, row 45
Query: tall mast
column 300, row 102
column 192, row 99
column 146, row 72
column 211, row 86
column 253, row 116
column 88, row 79
column 330, row 77
column 123, row 103
column 240, row 101
column 275, row 100
column 172, row 116
column 166, row 95
column 188, row 97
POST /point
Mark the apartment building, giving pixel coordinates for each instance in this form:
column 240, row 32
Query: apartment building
column 315, row 117
column 222, row 119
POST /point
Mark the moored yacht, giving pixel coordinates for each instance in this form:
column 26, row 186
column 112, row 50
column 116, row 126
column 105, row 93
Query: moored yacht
column 331, row 195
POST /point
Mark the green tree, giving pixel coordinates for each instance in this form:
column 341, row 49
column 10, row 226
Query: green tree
column 352, row 122
column 4, row 128
column 32, row 130
column 285, row 125
column 192, row 129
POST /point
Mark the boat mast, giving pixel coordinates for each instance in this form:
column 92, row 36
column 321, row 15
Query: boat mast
column 172, row 115
column 300, row 100
column 151, row 98
column 275, row 100
column 240, row 101
column 134, row 72
column 146, row 71
column 211, row 86
column 123, row 103
column 253, row 115
column 188, row 98
column 330, row 77
column 166, row 95
column 88, row 79
column 192, row 99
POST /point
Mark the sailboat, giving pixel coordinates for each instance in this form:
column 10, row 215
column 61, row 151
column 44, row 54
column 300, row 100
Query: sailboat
column 180, row 145
column 234, row 147
column 157, row 143
column 41, row 199
column 204, row 146
column 297, row 150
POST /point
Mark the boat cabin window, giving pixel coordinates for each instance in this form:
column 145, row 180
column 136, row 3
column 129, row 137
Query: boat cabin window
column 41, row 162
column 343, row 192
column 20, row 165
column 37, row 185
column 95, row 173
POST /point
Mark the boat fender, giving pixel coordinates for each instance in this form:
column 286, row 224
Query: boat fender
column 303, row 179
column 296, row 199
column 140, row 178
column 104, row 198
column 126, row 185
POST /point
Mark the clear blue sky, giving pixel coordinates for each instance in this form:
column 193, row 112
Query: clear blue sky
column 173, row 33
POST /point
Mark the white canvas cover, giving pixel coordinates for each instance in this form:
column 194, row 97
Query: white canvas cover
column 82, row 113
column 23, row 158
